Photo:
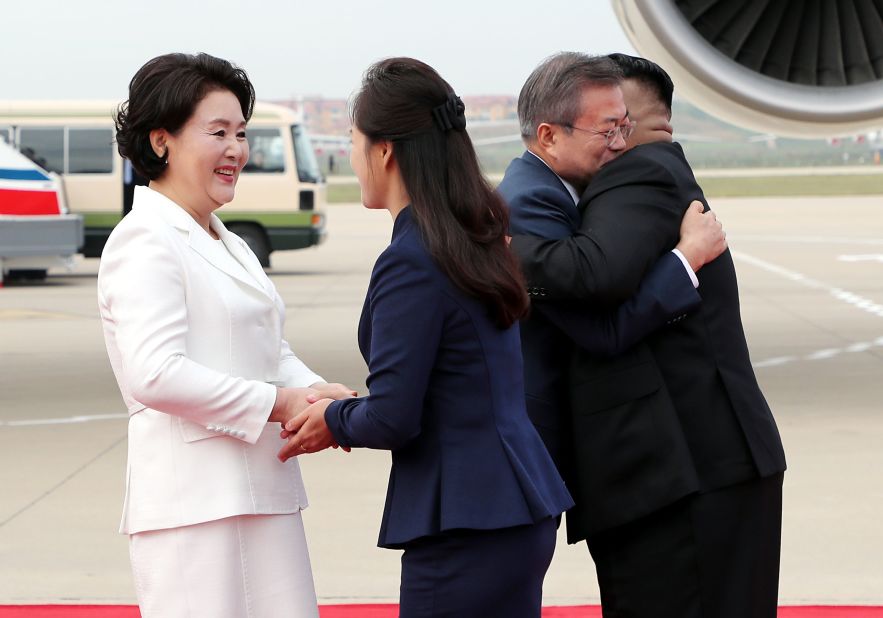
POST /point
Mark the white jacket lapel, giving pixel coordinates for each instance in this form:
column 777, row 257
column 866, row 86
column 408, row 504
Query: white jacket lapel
column 220, row 258
column 200, row 241
column 240, row 251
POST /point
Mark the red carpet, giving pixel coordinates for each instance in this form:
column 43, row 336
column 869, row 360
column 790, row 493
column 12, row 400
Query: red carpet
column 390, row 611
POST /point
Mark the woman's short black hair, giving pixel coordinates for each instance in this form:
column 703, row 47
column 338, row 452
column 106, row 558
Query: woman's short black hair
column 163, row 95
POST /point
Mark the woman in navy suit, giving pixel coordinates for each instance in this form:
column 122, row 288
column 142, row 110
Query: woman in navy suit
column 473, row 495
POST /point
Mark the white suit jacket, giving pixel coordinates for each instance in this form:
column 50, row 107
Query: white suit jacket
column 194, row 336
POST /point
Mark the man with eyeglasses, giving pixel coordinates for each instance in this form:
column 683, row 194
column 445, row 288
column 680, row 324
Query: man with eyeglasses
column 542, row 188
column 573, row 120
column 714, row 551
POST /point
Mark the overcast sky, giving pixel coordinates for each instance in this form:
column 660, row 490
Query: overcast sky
column 61, row 49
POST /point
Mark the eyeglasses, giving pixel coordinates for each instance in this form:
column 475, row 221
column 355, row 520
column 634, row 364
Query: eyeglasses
column 625, row 130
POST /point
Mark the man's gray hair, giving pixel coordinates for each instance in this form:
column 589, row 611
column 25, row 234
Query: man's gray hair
column 552, row 93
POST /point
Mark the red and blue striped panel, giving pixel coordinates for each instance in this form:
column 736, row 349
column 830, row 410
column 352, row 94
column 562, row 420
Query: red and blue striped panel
column 27, row 192
column 23, row 202
column 19, row 174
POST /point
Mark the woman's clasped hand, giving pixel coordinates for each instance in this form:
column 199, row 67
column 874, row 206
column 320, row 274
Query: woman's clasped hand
column 305, row 428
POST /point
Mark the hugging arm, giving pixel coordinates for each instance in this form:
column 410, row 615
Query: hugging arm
column 624, row 231
column 665, row 295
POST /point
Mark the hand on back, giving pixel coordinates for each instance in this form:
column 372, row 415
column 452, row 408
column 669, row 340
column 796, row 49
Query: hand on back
column 702, row 236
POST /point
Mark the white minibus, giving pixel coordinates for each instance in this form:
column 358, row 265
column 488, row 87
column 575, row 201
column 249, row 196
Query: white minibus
column 279, row 199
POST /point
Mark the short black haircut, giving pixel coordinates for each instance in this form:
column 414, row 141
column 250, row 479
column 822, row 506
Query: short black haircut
column 163, row 95
column 648, row 73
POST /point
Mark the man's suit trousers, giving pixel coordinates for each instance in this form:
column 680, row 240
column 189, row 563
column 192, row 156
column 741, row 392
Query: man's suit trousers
column 713, row 554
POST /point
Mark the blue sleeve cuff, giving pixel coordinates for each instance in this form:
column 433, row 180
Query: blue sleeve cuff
column 689, row 268
column 332, row 419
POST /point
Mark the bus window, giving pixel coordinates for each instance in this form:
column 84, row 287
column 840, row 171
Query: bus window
column 265, row 151
column 307, row 166
column 90, row 151
column 6, row 134
column 45, row 147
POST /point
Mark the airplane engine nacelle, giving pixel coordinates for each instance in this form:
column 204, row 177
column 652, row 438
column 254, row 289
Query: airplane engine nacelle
column 797, row 68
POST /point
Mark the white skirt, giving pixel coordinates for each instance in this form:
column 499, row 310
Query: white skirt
column 249, row 566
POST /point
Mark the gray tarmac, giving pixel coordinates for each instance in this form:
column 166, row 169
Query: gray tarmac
column 812, row 303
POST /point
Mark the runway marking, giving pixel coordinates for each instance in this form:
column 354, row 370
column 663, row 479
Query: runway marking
column 34, row 314
column 840, row 294
column 824, row 354
column 70, row 476
column 70, row 420
column 871, row 257
column 822, row 240
column 859, row 302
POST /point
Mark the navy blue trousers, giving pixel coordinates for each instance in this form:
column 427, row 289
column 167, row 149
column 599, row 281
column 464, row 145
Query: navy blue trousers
column 478, row 573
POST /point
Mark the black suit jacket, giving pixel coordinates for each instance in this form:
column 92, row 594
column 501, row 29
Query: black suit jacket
column 540, row 204
column 690, row 385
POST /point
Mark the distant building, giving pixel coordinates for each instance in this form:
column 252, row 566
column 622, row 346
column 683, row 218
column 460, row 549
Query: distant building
column 491, row 108
column 322, row 116
column 331, row 116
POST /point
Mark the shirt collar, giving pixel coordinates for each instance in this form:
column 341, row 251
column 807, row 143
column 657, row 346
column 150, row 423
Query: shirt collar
column 570, row 188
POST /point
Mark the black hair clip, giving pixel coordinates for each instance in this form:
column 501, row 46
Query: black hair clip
column 450, row 114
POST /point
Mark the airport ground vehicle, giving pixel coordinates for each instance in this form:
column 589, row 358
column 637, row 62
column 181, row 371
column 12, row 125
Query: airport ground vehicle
column 36, row 232
column 279, row 197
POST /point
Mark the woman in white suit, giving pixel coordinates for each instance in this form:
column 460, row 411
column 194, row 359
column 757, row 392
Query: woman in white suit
column 193, row 328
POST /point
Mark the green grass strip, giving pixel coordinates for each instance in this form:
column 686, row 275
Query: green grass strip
column 751, row 186
column 782, row 186
column 299, row 219
column 343, row 193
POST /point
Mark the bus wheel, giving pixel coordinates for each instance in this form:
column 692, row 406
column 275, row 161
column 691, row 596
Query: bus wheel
column 256, row 240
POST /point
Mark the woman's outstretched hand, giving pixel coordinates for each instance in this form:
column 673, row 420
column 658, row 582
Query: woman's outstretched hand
column 308, row 432
column 321, row 390
column 335, row 390
column 292, row 401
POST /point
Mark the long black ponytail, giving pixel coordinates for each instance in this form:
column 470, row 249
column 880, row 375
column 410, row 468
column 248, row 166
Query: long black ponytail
column 462, row 219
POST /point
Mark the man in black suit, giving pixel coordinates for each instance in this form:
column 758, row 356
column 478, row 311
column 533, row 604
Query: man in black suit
column 542, row 189
column 710, row 547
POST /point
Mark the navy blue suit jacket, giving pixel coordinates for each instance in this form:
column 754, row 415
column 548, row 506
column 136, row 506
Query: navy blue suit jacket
column 447, row 398
column 541, row 206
